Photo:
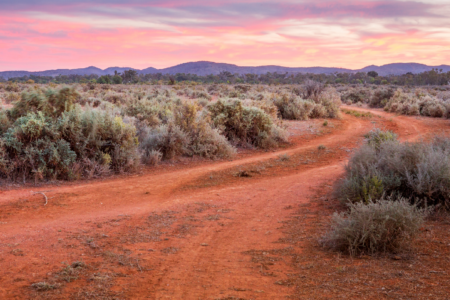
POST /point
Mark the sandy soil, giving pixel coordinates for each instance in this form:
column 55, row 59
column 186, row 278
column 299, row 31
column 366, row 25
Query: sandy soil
column 240, row 229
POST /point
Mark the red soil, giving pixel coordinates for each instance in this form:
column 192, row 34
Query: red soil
column 168, row 233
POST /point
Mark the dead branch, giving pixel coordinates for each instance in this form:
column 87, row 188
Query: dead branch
column 42, row 193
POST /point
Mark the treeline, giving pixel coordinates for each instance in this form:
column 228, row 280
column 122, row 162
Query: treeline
column 433, row 77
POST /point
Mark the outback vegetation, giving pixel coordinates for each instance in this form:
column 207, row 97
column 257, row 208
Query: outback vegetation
column 92, row 130
column 389, row 188
column 423, row 101
column 419, row 170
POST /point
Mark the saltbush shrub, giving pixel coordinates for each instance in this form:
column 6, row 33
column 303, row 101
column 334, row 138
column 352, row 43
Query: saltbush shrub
column 187, row 132
column 5, row 121
column 293, row 107
column 387, row 225
column 414, row 170
column 322, row 105
column 355, row 95
column 244, row 125
column 47, row 136
column 381, row 96
column 377, row 136
column 169, row 140
column 418, row 103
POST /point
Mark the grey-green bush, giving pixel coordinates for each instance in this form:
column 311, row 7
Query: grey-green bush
column 381, row 96
column 47, row 137
column 321, row 105
column 377, row 136
column 187, row 133
column 413, row 170
column 244, row 125
column 387, row 225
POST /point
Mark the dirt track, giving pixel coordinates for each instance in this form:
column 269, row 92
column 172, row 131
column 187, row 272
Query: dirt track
column 163, row 236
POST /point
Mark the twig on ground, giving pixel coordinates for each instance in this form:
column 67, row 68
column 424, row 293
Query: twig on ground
column 42, row 193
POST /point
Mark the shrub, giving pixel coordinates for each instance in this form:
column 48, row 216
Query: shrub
column 311, row 89
column 35, row 149
column 376, row 137
column 56, row 139
column 152, row 110
column 151, row 157
column 12, row 97
column 243, row 125
column 388, row 225
column 432, row 107
column 356, row 95
column 29, row 102
column 62, row 100
column 419, row 170
column 330, row 100
column 204, row 140
column 5, row 122
column 169, row 140
column 323, row 105
column 294, row 108
column 52, row 103
column 186, row 132
column 12, row 87
column 380, row 97
column 418, row 103
column 209, row 143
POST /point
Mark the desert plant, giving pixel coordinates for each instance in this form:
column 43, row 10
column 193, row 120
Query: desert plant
column 356, row 95
column 47, row 141
column 377, row 136
column 293, row 107
column 169, row 140
column 419, row 170
column 330, row 100
column 12, row 97
column 243, row 125
column 381, row 96
column 12, row 87
column 322, row 105
column 311, row 89
column 151, row 157
column 5, row 121
column 387, row 225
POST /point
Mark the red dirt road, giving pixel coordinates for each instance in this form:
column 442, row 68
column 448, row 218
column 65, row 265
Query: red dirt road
column 163, row 236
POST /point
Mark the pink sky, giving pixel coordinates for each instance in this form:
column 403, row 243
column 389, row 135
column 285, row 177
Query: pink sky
column 48, row 34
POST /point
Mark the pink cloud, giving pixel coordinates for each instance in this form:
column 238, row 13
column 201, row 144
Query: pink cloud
column 165, row 33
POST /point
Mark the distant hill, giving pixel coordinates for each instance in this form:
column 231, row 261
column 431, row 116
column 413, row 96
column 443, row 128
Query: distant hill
column 207, row 68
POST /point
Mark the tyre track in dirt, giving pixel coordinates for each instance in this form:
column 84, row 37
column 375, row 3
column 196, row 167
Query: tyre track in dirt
column 229, row 273
column 220, row 269
column 137, row 193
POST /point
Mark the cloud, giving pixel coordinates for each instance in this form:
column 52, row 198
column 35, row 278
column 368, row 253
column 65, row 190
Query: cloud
column 59, row 34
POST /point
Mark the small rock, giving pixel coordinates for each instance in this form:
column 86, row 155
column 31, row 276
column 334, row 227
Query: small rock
column 204, row 244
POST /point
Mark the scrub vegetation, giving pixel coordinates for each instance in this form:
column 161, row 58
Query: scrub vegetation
column 50, row 131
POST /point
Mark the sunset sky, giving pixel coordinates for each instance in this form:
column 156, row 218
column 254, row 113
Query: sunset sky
column 48, row 34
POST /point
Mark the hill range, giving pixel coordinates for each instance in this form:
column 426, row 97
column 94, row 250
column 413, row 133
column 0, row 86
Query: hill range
column 207, row 68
